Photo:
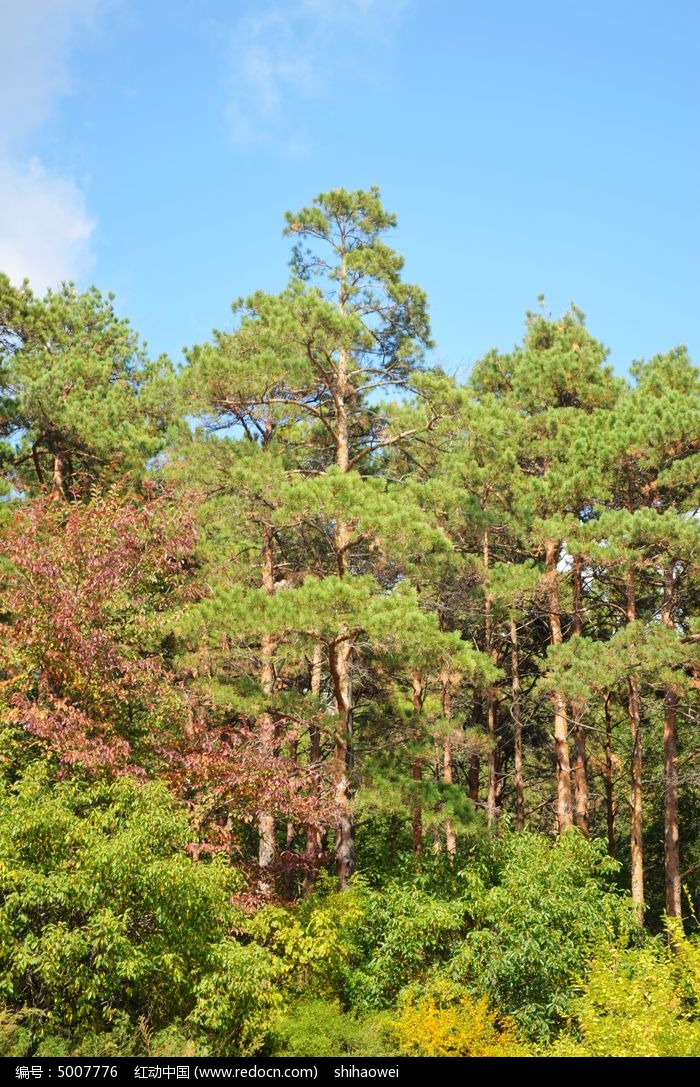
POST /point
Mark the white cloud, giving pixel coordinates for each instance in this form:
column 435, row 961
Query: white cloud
column 45, row 229
column 300, row 50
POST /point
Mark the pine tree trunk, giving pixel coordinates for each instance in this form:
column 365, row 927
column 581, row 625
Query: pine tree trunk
column 266, row 728
column 491, row 701
column 37, row 467
column 580, row 771
column 450, row 837
column 59, row 475
column 417, row 767
column 340, row 657
column 313, row 833
column 561, row 731
column 266, row 821
column 289, row 872
column 339, row 667
column 577, row 711
column 609, row 782
column 517, row 727
column 493, row 760
column 637, row 816
column 671, row 839
column 473, row 778
column 474, row 774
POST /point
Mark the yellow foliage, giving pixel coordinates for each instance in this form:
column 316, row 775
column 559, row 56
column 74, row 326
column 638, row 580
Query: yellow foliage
column 639, row 1003
column 445, row 1025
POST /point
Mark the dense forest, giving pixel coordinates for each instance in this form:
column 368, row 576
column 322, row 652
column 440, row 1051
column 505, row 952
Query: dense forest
column 345, row 708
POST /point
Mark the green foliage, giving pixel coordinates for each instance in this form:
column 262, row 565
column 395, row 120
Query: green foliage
column 323, row 616
column 237, row 1000
column 78, row 391
column 559, row 365
column 15, row 1033
column 316, row 941
column 103, row 913
column 406, row 929
column 319, row 1028
column 537, row 919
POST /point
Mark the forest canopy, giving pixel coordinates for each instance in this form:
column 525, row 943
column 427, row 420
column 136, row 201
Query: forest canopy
column 345, row 707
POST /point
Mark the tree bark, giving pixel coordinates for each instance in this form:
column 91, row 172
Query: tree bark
column 561, row 732
column 339, row 666
column 577, row 712
column 473, row 778
column 517, row 727
column 417, row 767
column 266, row 728
column 313, row 833
column 493, row 759
column 491, row 700
column 672, row 867
column 37, row 467
column 340, row 654
column 61, row 467
column 474, row 773
column 580, row 771
column 289, row 871
column 447, row 777
column 634, row 712
column 609, row 786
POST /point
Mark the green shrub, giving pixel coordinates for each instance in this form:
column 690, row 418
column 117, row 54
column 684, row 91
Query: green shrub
column 15, row 1033
column 102, row 913
column 406, row 929
column 238, row 999
column 316, row 941
column 552, row 904
column 319, row 1028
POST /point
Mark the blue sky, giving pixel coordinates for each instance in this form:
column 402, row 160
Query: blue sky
column 532, row 147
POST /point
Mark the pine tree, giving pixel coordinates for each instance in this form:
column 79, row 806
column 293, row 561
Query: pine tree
column 552, row 382
column 315, row 359
column 81, row 402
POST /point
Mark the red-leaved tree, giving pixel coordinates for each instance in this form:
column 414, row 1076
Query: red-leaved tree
column 90, row 677
column 86, row 591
